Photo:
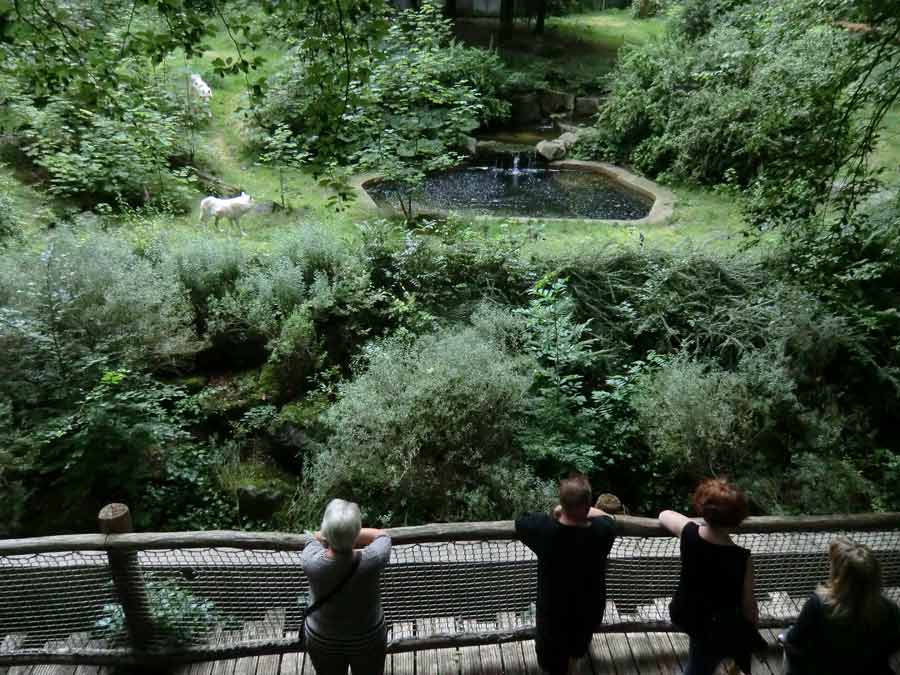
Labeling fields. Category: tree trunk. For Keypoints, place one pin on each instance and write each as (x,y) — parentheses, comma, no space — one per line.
(541,15)
(506,19)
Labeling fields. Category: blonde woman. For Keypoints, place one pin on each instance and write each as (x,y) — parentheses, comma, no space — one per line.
(847,627)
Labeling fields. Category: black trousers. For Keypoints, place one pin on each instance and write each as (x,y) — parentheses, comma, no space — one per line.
(557,642)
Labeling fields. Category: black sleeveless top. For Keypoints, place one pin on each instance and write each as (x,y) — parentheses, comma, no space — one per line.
(708,604)
(711,582)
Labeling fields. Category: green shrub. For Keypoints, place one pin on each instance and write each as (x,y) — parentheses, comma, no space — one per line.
(9,217)
(658,301)
(697,17)
(263,296)
(295,356)
(186,493)
(708,421)
(101,448)
(90,297)
(207,267)
(774,426)
(179,617)
(829,485)
(108,154)
(426,433)
(756,101)
(309,272)
(418,85)
(448,273)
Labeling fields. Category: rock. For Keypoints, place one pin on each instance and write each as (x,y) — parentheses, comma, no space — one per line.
(469,145)
(586,106)
(259,503)
(551,150)
(566,127)
(557,102)
(568,139)
(487,146)
(525,109)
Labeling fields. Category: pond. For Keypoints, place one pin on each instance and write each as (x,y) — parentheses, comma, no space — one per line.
(520,185)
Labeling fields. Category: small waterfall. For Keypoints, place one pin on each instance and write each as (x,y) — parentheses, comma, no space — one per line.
(515,166)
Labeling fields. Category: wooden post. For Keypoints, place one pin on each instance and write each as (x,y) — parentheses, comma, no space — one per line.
(507,12)
(127,579)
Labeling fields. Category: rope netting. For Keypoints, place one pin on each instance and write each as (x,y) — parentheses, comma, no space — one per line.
(207,600)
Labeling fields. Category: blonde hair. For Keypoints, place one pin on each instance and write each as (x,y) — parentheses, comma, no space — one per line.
(853,589)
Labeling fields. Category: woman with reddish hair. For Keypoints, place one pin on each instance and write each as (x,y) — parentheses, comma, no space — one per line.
(847,627)
(714,603)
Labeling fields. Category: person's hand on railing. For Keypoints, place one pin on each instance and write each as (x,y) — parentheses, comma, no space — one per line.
(593,513)
(596,513)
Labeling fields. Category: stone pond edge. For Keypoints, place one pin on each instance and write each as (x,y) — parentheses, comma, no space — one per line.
(663,199)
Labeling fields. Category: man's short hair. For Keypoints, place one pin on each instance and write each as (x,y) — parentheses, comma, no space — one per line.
(720,503)
(341,525)
(575,494)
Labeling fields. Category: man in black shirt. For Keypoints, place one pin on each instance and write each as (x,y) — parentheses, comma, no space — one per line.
(571,545)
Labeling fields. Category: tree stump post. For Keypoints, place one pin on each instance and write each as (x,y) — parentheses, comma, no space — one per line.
(127,579)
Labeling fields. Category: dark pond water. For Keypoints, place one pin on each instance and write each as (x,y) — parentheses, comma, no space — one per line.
(519,185)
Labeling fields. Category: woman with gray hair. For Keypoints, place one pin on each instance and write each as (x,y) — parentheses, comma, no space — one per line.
(345,623)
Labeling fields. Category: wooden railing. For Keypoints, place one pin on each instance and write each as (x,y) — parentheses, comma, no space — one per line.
(447,584)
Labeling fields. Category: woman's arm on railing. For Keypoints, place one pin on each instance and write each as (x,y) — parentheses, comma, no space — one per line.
(367,535)
(673,521)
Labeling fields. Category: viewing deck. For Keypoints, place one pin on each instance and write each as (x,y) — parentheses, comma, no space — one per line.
(610,654)
(458,598)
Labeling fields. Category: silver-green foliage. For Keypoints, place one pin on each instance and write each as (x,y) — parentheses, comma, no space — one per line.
(88,295)
(427,432)
(207,267)
(708,421)
(308,269)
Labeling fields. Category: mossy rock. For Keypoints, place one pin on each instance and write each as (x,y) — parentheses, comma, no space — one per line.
(262,502)
(192,383)
(232,396)
(303,413)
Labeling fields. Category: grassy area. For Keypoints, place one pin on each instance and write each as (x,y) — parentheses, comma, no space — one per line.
(703,219)
(583,44)
(887,154)
(608,30)
(220,147)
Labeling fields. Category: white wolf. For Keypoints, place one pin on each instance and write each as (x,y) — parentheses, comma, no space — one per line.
(202,91)
(232,209)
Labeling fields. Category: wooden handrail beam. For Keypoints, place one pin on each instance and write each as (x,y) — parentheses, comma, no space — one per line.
(631,526)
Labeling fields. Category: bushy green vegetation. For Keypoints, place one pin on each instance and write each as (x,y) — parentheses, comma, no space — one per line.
(402,109)
(437,376)
(453,370)
(764,97)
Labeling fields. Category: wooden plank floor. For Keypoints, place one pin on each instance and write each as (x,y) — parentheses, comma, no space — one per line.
(609,654)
